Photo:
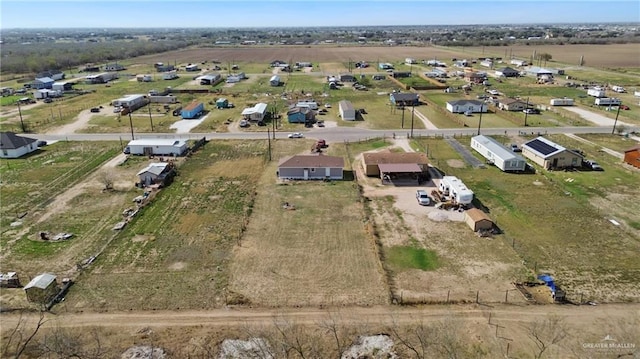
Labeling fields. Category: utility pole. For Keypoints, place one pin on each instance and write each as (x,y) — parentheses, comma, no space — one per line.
(413,110)
(22,122)
(613,131)
(526,113)
(131,124)
(269,143)
(150,117)
(480,120)
(402,115)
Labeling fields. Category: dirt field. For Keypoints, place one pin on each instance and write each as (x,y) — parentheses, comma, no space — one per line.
(610,56)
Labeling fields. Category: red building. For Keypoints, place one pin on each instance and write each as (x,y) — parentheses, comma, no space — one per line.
(632,156)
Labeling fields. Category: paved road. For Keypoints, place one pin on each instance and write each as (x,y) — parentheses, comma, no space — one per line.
(330,134)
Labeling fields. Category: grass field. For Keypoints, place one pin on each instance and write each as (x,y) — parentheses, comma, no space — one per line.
(319,253)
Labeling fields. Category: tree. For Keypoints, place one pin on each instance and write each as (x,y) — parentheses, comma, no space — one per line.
(107,179)
(545,333)
(20,336)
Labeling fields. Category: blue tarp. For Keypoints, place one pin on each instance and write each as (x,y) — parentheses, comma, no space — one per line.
(548,280)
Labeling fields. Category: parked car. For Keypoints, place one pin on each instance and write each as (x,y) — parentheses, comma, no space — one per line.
(126,150)
(48,100)
(296,135)
(41,143)
(593,165)
(95,109)
(423,197)
(244,123)
(531,111)
(515,148)
(624,107)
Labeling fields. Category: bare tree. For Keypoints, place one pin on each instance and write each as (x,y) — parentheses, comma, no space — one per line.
(21,336)
(337,332)
(546,332)
(107,179)
(66,344)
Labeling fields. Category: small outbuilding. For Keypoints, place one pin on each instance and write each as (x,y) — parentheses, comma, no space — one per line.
(222,103)
(42,288)
(274,81)
(632,156)
(192,110)
(311,167)
(477,220)
(347,112)
(497,154)
(160,172)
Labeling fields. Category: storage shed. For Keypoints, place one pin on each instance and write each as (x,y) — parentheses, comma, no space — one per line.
(157,172)
(192,110)
(309,167)
(632,156)
(157,147)
(42,288)
(477,220)
(222,103)
(274,81)
(497,154)
(550,155)
(347,112)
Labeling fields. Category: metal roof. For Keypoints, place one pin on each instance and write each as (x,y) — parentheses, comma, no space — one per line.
(497,148)
(311,161)
(345,105)
(157,142)
(154,168)
(41,281)
(374,158)
(399,168)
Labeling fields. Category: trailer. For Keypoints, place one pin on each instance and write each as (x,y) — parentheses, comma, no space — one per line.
(618,89)
(453,188)
(561,102)
(596,92)
(156,147)
(607,101)
(192,110)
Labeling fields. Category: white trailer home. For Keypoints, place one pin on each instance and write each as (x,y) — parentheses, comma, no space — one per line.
(596,92)
(497,154)
(607,101)
(561,102)
(347,112)
(453,188)
(157,147)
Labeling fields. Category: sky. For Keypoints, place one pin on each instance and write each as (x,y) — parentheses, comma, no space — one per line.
(312,13)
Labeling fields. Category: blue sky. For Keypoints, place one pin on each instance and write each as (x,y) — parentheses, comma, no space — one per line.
(239,13)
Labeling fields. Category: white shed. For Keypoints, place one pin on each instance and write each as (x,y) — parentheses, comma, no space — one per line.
(498,154)
(274,81)
(157,146)
(347,112)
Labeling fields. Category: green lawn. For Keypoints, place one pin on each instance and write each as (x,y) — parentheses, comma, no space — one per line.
(405,257)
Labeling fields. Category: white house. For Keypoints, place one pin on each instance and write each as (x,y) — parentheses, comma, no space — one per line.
(462,106)
(14,146)
(157,146)
(347,112)
(497,154)
(255,113)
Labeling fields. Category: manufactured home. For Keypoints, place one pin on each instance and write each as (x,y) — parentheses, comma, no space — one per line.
(497,154)
(255,113)
(157,147)
(132,102)
(607,101)
(561,102)
(464,106)
(311,167)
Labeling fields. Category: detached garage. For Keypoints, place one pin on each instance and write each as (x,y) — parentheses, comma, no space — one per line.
(477,220)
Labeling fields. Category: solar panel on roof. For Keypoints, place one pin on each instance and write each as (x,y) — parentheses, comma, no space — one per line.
(541,147)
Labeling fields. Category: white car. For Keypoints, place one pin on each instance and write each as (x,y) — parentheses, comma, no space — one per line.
(296,135)
(423,197)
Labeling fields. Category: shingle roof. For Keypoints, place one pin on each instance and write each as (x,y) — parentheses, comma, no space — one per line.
(311,161)
(465,102)
(11,141)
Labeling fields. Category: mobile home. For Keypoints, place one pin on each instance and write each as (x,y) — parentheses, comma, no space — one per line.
(497,154)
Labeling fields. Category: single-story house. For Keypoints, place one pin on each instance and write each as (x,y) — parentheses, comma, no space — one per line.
(507,72)
(275,81)
(114,67)
(461,63)
(255,113)
(157,147)
(54,74)
(372,160)
(165,68)
(550,155)
(519,63)
(278,63)
(405,99)
(539,71)
(497,154)
(475,77)
(170,75)
(101,78)
(160,172)
(309,167)
(42,288)
(233,78)
(347,112)
(192,110)
(192,68)
(46,93)
(14,146)
(300,115)
(512,104)
(346,78)
(632,156)
(385,66)
(477,220)
(462,106)
(42,83)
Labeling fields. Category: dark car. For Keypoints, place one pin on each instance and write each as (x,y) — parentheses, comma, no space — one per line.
(41,143)
(95,109)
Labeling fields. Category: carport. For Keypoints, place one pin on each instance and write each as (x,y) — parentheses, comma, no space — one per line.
(399,174)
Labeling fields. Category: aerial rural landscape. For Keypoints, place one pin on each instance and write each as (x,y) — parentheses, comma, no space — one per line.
(451,191)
